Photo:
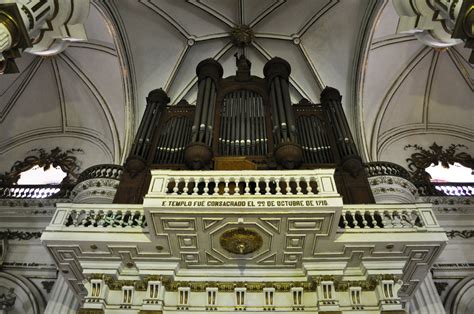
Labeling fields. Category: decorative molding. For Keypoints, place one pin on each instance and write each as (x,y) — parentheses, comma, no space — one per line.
(19,235)
(3,251)
(465,234)
(419,161)
(29,265)
(47,285)
(7,300)
(440,286)
(393,189)
(33,206)
(241,241)
(55,158)
(141,285)
(95,189)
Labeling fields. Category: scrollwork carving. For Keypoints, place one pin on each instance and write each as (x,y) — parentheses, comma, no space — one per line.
(55,158)
(7,300)
(47,285)
(465,234)
(19,235)
(422,159)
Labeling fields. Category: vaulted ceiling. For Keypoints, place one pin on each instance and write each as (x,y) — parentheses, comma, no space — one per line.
(91,96)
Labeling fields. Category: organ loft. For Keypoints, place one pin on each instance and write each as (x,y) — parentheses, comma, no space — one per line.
(245,122)
(231,189)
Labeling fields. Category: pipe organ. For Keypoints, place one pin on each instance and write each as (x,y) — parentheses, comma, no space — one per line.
(242,125)
(247,117)
(174,136)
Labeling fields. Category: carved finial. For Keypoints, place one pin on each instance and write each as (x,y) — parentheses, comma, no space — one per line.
(243,67)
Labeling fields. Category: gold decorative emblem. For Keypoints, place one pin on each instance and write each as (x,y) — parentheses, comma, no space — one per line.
(241,241)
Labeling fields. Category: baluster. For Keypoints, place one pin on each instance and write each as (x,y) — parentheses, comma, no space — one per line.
(175,188)
(355,221)
(298,185)
(267,185)
(121,217)
(185,187)
(344,220)
(101,219)
(206,185)
(308,185)
(277,188)
(128,223)
(364,221)
(288,187)
(226,186)
(247,186)
(115,218)
(237,188)
(257,185)
(374,221)
(193,181)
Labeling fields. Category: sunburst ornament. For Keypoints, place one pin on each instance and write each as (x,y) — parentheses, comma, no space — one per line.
(242,36)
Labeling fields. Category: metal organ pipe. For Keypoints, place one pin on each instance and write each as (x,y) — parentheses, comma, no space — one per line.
(156,101)
(197,113)
(331,100)
(172,141)
(209,73)
(198,153)
(285,88)
(242,124)
(277,72)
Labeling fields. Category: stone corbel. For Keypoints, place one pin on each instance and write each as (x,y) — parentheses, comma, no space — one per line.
(431,21)
(39,27)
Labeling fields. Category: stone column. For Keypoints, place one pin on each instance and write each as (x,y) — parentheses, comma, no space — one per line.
(62,300)
(426,299)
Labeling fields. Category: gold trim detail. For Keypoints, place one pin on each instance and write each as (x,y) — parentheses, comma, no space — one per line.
(241,241)
(200,286)
(90,311)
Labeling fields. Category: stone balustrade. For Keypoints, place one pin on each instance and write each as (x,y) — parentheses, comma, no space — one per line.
(376,217)
(385,168)
(455,189)
(243,183)
(35,191)
(73,216)
(105,171)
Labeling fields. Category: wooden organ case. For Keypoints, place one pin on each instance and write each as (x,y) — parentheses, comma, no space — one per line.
(248,121)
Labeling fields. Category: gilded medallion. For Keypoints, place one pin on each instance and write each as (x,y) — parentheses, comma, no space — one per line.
(241,241)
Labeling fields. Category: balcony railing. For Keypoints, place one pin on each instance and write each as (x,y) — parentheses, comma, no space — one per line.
(36,191)
(382,168)
(102,216)
(107,171)
(445,189)
(385,168)
(387,216)
(61,191)
(242,183)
